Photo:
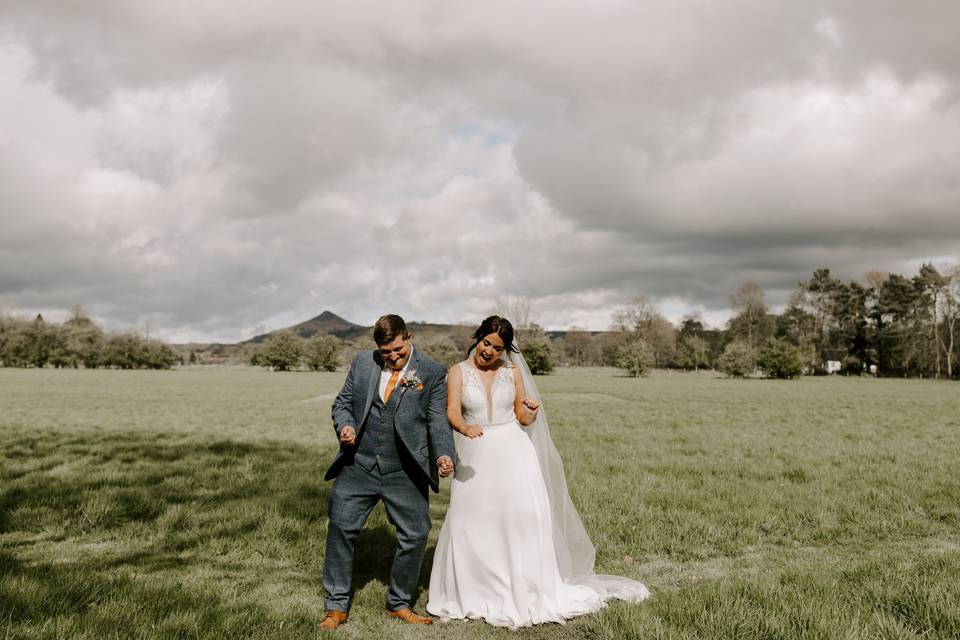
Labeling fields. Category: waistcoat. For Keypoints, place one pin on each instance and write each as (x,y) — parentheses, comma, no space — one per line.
(378,445)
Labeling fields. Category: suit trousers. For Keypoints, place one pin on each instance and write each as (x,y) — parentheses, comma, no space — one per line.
(355,493)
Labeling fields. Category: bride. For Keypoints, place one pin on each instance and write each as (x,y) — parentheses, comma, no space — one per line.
(512,549)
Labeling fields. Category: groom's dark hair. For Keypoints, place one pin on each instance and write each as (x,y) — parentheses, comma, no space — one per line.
(388,327)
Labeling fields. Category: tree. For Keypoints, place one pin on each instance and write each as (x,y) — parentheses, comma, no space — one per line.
(780,359)
(796,326)
(639,314)
(662,336)
(847,339)
(900,313)
(78,341)
(39,339)
(516,309)
(636,357)
(124,351)
(640,320)
(529,336)
(608,347)
(691,325)
(937,288)
(84,340)
(538,356)
(578,347)
(440,349)
(58,351)
(821,290)
(738,359)
(875,280)
(280,352)
(948,315)
(694,352)
(751,323)
(14,341)
(158,355)
(322,352)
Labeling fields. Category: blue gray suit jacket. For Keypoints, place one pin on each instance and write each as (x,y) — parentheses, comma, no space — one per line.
(421,414)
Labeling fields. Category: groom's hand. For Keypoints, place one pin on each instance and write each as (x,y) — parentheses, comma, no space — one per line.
(348,435)
(444,466)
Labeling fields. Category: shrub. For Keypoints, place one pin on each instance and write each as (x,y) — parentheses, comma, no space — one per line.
(737,360)
(780,359)
(159,355)
(280,352)
(636,357)
(440,349)
(124,351)
(14,342)
(322,352)
(538,357)
(851,366)
(130,351)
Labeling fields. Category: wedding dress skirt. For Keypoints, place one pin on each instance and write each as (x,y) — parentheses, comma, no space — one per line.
(495,558)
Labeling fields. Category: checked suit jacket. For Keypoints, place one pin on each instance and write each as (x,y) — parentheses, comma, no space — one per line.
(421,412)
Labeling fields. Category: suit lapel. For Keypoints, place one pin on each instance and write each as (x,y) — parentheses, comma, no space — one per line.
(414,358)
(372,386)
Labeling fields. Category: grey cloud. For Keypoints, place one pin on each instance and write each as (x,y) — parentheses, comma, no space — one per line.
(214,169)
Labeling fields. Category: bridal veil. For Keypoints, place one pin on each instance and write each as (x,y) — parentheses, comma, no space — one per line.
(576,554)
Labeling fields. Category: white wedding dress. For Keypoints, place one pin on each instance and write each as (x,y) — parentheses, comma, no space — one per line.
(496,557)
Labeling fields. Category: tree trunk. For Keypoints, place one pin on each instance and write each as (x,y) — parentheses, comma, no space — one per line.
(950,351)
(936,341)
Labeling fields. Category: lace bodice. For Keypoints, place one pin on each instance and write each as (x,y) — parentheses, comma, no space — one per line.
(479,408)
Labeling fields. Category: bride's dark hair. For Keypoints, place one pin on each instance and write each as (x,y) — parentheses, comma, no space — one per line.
(499,326)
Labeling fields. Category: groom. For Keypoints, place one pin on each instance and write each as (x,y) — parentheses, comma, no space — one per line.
(391,420)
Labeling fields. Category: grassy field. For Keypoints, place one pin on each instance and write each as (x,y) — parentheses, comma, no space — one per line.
(190,504)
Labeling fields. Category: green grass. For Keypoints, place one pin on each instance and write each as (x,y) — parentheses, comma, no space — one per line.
(191,504)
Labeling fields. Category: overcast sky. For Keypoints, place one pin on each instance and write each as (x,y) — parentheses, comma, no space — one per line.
(210,169)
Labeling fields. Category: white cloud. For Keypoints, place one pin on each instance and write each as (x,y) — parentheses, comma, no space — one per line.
(214,170)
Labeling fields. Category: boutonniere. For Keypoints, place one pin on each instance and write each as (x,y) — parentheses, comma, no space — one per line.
(410,379)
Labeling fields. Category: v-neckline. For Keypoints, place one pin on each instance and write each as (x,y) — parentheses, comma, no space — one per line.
(488,391)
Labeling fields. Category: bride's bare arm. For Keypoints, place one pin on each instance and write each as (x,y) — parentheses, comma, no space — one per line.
(525,408)
(454,414)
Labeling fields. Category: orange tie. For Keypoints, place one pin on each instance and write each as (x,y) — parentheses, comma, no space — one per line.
(391,385)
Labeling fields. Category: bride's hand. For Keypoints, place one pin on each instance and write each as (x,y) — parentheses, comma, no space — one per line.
(472,431)
(531,404)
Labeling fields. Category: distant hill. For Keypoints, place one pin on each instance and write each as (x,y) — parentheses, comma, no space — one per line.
(326,322)
(331,323)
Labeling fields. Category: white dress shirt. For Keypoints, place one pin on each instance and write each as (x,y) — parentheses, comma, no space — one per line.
(385,374)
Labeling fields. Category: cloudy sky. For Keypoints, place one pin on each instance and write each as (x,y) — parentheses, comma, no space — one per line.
(210,169)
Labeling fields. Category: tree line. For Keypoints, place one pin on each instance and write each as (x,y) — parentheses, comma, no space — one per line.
(286,351)
(78,342)
(885,325)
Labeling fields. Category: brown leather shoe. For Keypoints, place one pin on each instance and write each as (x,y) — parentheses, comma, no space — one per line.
(408,616)
(332,620)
